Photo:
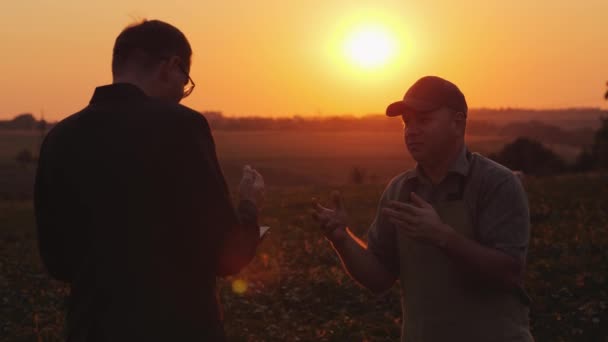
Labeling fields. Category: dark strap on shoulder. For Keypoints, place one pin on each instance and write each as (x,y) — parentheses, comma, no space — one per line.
(464,180)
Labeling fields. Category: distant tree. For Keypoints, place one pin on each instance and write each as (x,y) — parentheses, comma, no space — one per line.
(585,161)
(24,121)
(42,125)
(600,143)
(599,150)
(357,175)
(24,157)
(531,157)
(597,156)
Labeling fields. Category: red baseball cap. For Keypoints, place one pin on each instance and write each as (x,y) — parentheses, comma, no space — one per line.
(428,94)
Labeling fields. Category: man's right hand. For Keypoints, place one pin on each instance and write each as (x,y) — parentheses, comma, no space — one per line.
(360,263)
(333,222)
(252,187)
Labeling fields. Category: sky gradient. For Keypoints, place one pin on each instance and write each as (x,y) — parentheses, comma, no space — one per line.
(284,58)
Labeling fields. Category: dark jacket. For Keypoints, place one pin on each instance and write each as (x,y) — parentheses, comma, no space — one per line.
(133,211)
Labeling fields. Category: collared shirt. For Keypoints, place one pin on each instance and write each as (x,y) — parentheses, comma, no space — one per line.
(133,211)
(448,186)
(494,196)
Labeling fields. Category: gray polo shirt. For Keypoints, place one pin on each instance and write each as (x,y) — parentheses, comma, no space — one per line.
(495,198)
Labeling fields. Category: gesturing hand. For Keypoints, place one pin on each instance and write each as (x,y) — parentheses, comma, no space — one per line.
(418,221)
(333,222)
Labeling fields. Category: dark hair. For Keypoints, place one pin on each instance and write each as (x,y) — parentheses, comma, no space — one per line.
(148,42)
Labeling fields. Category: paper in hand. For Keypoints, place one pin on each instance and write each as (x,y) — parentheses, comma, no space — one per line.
(263,230)
(258,180)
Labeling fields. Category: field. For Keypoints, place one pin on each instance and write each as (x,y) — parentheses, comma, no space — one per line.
(285,158)
(295,287)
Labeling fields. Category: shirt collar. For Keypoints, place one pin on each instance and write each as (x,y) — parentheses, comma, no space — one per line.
(117,92)
(460,166)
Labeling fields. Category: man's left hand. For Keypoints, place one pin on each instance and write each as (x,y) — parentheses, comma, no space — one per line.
(418,221)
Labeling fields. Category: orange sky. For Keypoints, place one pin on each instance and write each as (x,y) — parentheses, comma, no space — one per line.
(271,57)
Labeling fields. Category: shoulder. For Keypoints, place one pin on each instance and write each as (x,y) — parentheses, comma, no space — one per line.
(64,129)
(190,115)
(178,113)
(175,121)
(490,173)
(495,180)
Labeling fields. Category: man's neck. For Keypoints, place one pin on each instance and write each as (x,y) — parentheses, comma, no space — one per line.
(438,169)
(132,79)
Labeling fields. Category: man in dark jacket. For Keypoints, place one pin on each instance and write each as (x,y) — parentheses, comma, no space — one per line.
(132,207)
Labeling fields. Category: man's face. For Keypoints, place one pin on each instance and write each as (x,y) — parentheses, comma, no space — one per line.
(428,135)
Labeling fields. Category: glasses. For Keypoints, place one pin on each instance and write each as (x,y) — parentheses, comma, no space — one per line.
(189,87)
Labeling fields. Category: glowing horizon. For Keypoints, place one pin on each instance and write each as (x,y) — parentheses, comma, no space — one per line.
(316,58)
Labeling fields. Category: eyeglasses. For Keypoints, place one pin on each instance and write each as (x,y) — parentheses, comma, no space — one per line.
(189,87)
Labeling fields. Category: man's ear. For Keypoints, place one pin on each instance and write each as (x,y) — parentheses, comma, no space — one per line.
(166,66)
(460,120)
(163,69)
(460,116)
(174,61)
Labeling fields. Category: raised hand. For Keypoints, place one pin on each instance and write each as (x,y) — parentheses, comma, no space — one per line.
(252,186)
(333,222)
(418,221)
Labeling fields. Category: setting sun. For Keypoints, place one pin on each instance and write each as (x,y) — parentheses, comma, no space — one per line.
(135,206)
(370,46)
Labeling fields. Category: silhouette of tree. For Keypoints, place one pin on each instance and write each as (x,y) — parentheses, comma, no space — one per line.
(599,150)
(24,121)
(531,157)
(597,156)
(42,127)
(584,161)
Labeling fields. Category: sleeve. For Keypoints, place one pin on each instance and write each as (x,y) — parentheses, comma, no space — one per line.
(504,218)
(236,229)
(381,236)
(53,235)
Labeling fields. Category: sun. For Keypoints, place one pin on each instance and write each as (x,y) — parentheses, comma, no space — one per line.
(370,46)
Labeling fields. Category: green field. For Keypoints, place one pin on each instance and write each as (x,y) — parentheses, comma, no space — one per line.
(297,290)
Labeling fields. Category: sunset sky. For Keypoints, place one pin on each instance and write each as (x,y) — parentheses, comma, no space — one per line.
(284,58)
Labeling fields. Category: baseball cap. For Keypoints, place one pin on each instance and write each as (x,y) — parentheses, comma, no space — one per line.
(428,94)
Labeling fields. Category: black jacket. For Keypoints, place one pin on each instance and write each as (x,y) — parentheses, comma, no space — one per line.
(133,211)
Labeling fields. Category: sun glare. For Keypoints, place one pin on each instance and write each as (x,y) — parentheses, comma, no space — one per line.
(239,286)
(370,46)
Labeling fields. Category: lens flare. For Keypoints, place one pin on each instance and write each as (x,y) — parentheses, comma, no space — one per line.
(239,286)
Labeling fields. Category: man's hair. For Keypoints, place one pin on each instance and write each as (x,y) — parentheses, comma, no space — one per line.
(148,42)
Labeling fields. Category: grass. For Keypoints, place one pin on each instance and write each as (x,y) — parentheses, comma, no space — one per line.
(296,289)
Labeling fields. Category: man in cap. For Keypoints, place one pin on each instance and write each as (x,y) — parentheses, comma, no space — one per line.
(454,230)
